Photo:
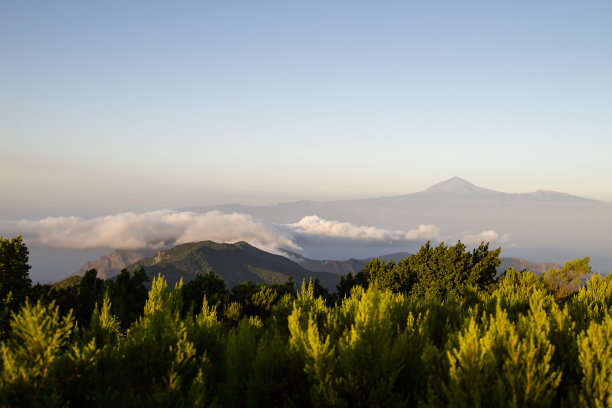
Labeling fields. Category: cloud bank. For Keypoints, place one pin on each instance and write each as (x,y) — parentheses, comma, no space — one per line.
(154,229)
(165,228)
(315,225)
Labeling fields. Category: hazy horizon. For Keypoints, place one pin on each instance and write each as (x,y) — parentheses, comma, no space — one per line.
(540,226)
(88,212)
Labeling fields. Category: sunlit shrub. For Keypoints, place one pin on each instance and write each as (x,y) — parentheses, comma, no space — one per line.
(498,360)
(595,345)
(30,356)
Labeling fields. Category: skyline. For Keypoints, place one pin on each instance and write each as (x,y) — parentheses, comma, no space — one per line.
(12,223)
(131,107)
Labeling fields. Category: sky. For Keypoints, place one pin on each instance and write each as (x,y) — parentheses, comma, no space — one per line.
(117,106)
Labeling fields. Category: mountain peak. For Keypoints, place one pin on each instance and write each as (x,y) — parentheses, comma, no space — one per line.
(457,187)
(454,185)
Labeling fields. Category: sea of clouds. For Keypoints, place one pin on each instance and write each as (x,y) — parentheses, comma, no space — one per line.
(165,228)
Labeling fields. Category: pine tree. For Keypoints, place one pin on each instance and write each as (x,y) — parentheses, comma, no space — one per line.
(15,282)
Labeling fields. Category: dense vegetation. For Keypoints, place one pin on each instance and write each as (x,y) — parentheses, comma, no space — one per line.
(435,329)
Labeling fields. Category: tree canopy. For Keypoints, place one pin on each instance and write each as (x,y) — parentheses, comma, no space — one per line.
(432,271)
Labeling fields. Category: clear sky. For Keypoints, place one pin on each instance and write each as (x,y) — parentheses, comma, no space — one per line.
(110,106)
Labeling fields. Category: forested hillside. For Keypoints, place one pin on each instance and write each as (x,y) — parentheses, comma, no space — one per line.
(436,329)
(235,263)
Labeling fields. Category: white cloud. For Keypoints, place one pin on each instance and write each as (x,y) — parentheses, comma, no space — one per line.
(154,229)
(234,227)
(315,225)
(489,236)
(425,231)
(165,228)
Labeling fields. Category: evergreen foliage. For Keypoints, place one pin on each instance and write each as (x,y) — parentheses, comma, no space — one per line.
(15,281)
(566,281)
(410,334)
(595,345)
(31,355)
(432,271)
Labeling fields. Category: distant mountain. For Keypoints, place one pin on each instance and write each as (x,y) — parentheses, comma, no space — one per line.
(456,206)
(235,263)
(340,267)
(519,264)
(458,187)
(111,264)
(241,262)
(449,195)
(336,267)
(543,224)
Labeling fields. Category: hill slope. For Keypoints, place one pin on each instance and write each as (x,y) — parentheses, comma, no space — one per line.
(235,263)
(240,262)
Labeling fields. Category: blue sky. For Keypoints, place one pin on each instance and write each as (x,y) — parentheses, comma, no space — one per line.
(116,106)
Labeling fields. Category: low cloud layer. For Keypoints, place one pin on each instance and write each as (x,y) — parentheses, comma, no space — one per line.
(165,228)
(155,229)
(315,225)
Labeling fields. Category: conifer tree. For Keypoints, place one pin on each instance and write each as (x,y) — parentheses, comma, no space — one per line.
(15,283)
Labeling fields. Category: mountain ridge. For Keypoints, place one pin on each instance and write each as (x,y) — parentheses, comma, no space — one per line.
(454,184)
(235,263)
(258,270)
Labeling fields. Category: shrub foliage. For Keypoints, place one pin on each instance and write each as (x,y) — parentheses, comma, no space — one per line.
(434,330)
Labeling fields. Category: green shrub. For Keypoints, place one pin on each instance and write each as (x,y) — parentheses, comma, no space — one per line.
(498,360)
(30,356)
(595,357)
